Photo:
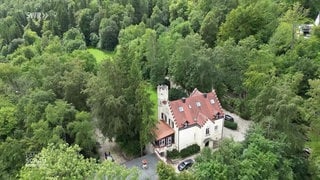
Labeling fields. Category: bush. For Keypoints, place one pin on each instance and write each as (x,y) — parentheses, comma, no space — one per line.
(188,151)
(173,154)
(230,125)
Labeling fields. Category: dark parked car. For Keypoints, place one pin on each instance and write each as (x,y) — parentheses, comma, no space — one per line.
(228,118)
(185,164)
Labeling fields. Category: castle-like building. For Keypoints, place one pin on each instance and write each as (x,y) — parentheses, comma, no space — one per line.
(197,119)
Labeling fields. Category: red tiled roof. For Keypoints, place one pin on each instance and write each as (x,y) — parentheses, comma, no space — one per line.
(163,130)
(196,109)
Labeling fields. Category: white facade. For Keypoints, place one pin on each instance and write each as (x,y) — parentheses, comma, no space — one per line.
(211,131)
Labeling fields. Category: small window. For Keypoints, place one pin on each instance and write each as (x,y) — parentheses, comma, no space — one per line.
(162,116)
(172,125)
(169,140)
(216,127)
(181,109)
(211,101)
(198,104)
(207,131)
(162,142)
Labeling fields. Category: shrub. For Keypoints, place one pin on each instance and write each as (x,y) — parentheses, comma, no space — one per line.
(230,125)
(173,154)
(190,150)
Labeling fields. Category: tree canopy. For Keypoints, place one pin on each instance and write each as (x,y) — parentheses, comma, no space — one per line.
(52,90)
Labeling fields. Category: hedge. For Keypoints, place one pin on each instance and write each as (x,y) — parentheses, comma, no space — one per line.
(174,154)
(231,125)
(188,151)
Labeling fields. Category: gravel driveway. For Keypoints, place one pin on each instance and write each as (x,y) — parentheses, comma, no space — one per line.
(239,134)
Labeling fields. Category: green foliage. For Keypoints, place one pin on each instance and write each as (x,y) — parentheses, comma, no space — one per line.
(84,17)
(112,170)
(213,18)
(178,8)
(176,93)
(8,120)
(154,100)
(73,39)
(258,19)
(147,118)
(54,162)
(65,162)
(248,51)
(174,154)
(314,143)
(122,112)
(277,100)
(30,37)
(12,158)
(73,84)
(233,59)
(190,150)
(231,125)
(108,32)
(232,159)
(191,60)
(165,171)
(100,55)
(82,131)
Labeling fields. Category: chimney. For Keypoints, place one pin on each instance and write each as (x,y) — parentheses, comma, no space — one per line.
(205,95)
(183,99)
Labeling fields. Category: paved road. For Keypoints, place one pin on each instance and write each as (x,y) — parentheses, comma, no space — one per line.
(239,134)
(151,172)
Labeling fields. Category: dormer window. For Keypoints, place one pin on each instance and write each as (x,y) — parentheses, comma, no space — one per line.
(211,101)
(185,124)
(180,108)
(198,104)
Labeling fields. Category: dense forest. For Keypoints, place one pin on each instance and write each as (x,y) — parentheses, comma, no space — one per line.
(54,93)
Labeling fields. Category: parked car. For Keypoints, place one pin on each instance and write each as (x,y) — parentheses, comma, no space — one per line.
(185,164)
(228,118)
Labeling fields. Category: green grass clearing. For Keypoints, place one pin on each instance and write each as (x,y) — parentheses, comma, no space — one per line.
(100,55)
(154,100)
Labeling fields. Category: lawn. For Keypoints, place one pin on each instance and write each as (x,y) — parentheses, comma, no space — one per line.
(154,100)
(100,55)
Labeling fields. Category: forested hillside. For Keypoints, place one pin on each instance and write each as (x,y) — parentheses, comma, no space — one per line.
(53,91)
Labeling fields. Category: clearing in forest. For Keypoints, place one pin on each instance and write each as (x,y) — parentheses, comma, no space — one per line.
(153,99)
(100,55)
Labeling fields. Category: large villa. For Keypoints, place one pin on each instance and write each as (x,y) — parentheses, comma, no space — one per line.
(197,119)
